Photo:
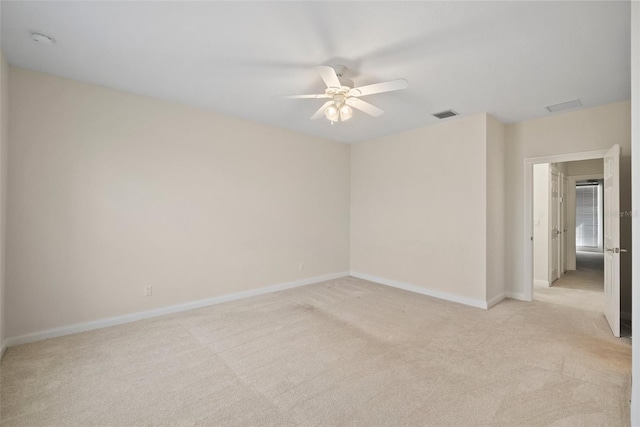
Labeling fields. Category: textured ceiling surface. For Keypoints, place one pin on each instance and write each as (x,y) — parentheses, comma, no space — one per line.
(509,59)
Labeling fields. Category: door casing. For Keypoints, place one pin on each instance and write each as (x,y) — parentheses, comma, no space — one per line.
(528,206)
(612,239)
(554,225)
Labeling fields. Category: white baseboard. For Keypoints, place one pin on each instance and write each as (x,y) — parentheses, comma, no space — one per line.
(538,282)
(420,290)
(493,301)
(3,348)
(516,295)
(127,318)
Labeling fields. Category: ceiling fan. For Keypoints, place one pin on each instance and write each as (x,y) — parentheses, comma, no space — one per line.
(343,95)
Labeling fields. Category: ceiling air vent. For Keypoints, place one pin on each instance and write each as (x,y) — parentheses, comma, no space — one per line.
(564,106)
(445,114)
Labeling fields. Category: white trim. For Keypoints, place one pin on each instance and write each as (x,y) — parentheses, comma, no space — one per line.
(420,290)
(571,225)
(516,295)
(635,207)
(495,300)
(538,282)
(528,231)
(528,207)
(127,318)
(564,181)
(568,157)
(550,215)
(3,348)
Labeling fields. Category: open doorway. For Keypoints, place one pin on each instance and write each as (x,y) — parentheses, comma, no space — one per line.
(560,258)
(568,258)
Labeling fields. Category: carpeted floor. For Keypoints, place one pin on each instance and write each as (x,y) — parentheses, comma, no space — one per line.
(344,352)
(582,288)
(590,261)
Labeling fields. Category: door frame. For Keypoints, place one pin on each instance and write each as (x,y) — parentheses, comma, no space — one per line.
(528,206)
(551,214)
(564,223)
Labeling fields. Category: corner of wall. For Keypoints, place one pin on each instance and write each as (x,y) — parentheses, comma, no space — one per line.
(285,197)
(495,219)
(395,227)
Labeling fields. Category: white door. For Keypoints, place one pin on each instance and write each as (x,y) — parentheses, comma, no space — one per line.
(612,238)
(555,227)
(563,224)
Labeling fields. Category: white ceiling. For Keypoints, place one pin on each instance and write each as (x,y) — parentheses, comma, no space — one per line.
(509,59)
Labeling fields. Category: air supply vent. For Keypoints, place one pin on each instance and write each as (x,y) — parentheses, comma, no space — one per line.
(445,114)
(564,106)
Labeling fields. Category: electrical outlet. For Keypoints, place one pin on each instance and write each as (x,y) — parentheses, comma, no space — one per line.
(301,266)
(148,291)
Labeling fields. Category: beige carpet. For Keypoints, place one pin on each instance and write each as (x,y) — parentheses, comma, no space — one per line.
(590,261)
(582,288)
(344,352)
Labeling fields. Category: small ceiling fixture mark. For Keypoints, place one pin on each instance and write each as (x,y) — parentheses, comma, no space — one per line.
(39,37)
(574,103)
(445,114)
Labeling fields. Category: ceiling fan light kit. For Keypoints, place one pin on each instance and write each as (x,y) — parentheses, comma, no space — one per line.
(344,96)
(338,110)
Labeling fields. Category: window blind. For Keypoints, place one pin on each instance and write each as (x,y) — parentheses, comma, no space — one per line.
(587,221)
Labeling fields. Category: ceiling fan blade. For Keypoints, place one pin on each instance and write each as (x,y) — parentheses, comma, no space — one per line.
(379,87)
(320,112)
(328,75)
(315,96)
(364,106)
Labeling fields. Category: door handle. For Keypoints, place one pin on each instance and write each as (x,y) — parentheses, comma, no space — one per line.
(616,250)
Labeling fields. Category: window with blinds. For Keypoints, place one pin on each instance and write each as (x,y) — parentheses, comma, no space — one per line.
(588,216)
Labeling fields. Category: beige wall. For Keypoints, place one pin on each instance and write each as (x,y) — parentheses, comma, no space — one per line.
(4,142)
(585,167)
(418,207)
(111,192)
(541,223)
(595,128)
(495,193)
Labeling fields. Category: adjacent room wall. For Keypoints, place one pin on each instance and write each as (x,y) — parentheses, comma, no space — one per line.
(419,208)
(111,192)
(541,224)
(4,142)
(590,129)
(585,167)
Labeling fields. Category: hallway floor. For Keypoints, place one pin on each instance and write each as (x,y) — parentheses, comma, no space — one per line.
(582,288)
